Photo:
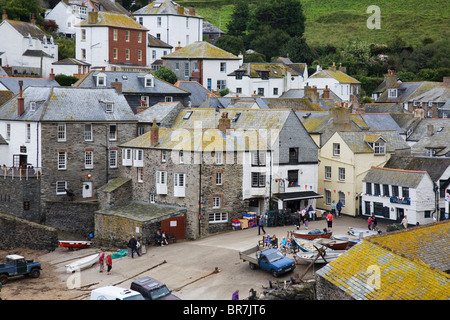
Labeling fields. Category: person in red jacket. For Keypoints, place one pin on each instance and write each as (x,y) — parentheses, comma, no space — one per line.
(109,263)
(329,220)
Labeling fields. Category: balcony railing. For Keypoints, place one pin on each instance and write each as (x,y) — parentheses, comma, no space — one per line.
(401,200)
(20,173)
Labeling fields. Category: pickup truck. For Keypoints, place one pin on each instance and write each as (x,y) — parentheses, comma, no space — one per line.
(272,260)
(152,289)
(17,265)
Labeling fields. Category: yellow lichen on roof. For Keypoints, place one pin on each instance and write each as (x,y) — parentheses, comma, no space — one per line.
(338,75)
(114,19)
(201,49)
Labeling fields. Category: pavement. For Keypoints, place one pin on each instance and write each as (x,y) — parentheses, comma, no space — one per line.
(204,269)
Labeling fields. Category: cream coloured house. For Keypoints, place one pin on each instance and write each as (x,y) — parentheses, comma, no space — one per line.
(346,158)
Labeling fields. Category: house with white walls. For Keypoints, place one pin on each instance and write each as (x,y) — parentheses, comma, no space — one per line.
(204,63)
(111,41)
(156,49)
(170,22)
(26,48)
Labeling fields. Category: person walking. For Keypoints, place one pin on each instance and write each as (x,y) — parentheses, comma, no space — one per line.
(339,207)
(329,220)
(405,222)
(369,223)
(374,222)
(333,208)
(235,295)
(306,219)
(132,244)
(261,225)
(108,264)
(101,262)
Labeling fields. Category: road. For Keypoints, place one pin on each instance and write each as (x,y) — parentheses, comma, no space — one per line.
(187,267)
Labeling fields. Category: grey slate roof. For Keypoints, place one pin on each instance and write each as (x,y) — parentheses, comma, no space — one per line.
(356,141)
(434,166)
(161,112)
(199,94)
(69,104)
(71,61)
(12,83)
(397,177)
(132,82)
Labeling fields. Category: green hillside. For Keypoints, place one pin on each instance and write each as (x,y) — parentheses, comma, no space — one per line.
(336,21)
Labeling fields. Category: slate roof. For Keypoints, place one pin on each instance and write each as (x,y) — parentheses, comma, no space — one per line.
(69,104)
(201,50)
(157,43)
(413,265)
(113,19)
(71,61)
(26,29)
(356,141)
(12,83)
(397,177)
(165,7)
(208,27)
(36,53)
(407,91)
(434,166)
(132,82)
(199,94)
(108,5)
(159,112)
(338,75)
(253,69)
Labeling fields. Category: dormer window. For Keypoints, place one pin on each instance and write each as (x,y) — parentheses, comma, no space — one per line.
(101,80)
(109,107)
(379,147)
(264,75)
(392,93)
(33,106)
(149,82)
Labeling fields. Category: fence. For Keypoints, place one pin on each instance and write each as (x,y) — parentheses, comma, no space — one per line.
(20,173)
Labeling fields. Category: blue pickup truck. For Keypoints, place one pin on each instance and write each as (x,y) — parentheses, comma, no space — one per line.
(17,265)
(272,260)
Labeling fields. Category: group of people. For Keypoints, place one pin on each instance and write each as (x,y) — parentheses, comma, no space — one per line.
(372,222)
(304,216)
(105,258)
(161,238)
(337,207)
(271,241)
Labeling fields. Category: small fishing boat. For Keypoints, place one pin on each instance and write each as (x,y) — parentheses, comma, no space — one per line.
(72,244)
(82,263)
(306,245)
(361,233)
(308,257)
(311,234)
(334,244)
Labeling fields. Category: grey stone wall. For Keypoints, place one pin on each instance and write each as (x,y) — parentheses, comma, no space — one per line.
(325,290)
(19,233)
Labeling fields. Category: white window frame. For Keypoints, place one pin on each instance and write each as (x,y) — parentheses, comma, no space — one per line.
(140,175)
(113,159)
(127,157)
(336,149)
(138,158)
(161,182)
(219,157)
(328,196)
(59,186)
(181,156)
(8,131)
(88,133)
(392,93)
(379,147)
(62,160)
(216,202)
(28,132)
(89,159)
(163,155)
(327,172)
(179,184)
(114,136)
(61,132)
(341,174)
(218,217)
(219,178)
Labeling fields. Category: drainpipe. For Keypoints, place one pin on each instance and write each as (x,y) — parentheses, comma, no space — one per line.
(436,199)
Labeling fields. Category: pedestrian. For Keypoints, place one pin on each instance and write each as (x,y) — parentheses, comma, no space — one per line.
(108,263)
(297,220)
(164,241)
(132,244)
(302,216)
(405,222)
(369,223)
(101,261)
(235,295)
(329,220)
(339,207)
(261,225)
(333,208)
(374,222)
(306,219)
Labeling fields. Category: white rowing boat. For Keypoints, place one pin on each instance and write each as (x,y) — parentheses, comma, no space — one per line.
(82,263)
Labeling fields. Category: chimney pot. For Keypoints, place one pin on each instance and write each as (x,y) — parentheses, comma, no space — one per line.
(154,134)
(4,16)
(20,100)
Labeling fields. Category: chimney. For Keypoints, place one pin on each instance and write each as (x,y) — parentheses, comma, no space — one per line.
(333,67)
(154,134)
(180,10)
(224,122)
(446,81)
(52,75)
(4,16)
(118,86)
(340,114)
(192,10)
(390,78)
(234,99)
(326,93)
(341,68)
(319,67)
(430,130)
(92,17)
(33,19)
(419,113)
(20,100)
(179,46)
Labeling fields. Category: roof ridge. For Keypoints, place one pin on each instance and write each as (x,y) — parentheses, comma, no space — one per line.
(402,170)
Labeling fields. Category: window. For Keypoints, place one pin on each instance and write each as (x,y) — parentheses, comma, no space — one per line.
(218,217)
(140,175)
(168,99)
(377,190)
(328,196)
(177,66)
(261,92)
(328,173)
(258,180)
(127,35)
(88,160)
(139,55)
(186,69)
(187,23)
(275,91)
(148,82)
(113,158)
(88,132)
(219,157)
(152,198)
(127,159)
(28,132)
(258,158)
(218,178)
(163,155)
(83,34)
(386,190)
(138,158)
(158,21)
(32,106)
(8,131)
(115,54)
(158,36)
(139,37)
(293,155)
(392,93)
(221,84)
(161,182)
(223,67)
(342,197)
(179,185)
(336,149)
(380,147)
(82,10)
(112,132)
(61,132)
(216,202)
(115,35)
(61,187)
(405,192)
(238,90)
(395,191)
(181,156)
(109,107)
(341,174)
(369,188)
(127,54)
(293,178)
(62,160)
(153,54)
(239,75)
(141,20)
(83,54)
(101,81)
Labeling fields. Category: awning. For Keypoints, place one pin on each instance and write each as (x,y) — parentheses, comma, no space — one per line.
(301,195)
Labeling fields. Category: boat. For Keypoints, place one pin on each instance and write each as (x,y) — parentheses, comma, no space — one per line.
(335,244)
(306,245)
(71,244)
(308,257)
(351,240)
(82,263)
(361,233)
(311,234)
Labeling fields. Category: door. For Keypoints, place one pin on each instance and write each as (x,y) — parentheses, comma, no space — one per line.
(87,189)
(400,214)
(175,226)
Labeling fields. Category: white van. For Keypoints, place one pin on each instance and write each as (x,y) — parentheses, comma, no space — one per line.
(115,293)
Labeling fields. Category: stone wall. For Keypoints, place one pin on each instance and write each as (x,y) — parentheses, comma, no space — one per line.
(19,233)
(325,290)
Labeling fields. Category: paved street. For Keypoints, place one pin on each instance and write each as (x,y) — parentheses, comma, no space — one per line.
(187,267)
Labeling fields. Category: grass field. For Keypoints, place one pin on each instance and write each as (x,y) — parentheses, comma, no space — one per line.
(336,21)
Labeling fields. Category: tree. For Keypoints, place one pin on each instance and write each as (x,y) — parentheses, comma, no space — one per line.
(232,44)
(269,41)
(22,10)
(356,56)
(298,50)
(66,48)
(166,74)
(65,80)
(237,26)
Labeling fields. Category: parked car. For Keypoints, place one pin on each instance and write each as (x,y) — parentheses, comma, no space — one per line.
(17,265)
(115,293)
(272,260)
(152,289)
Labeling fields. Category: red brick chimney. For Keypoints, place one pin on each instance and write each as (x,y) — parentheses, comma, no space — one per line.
(33,19)
(224,122)
(20,100)
(154,134)
(117,85)
(326,93)
(4,16)
(52,75)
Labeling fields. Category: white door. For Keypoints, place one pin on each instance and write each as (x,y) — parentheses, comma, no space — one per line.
(87,189)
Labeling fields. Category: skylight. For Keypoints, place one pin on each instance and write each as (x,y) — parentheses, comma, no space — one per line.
(187,115)
(157,5)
